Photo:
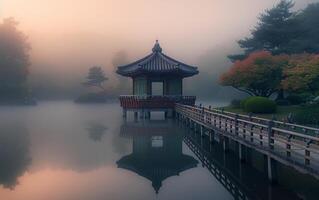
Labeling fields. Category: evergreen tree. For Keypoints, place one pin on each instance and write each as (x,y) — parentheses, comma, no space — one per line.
(306,31)
(96,78)
(272,33)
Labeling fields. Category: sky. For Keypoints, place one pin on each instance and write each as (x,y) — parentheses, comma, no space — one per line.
(69,36)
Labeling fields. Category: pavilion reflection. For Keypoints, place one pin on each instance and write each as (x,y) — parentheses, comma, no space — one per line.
(157,151)
(14,154)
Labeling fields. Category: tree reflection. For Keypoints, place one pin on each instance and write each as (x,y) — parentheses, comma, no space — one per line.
(14,154)
(96,131)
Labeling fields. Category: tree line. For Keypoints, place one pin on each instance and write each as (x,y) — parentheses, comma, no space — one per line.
(282,53)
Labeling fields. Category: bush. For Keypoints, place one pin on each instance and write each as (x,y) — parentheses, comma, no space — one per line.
(309,115)
(260,105)
(295,99)
(243,102)
(235,103)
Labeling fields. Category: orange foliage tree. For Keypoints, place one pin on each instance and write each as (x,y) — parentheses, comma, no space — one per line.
(302,74)
(260,74)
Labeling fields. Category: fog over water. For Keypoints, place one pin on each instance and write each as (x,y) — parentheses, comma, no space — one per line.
(67,37)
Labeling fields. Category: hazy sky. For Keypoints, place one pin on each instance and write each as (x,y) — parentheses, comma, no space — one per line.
(76,34)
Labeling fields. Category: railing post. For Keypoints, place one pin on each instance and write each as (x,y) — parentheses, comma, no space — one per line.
(307,153)
(270,134)
(236,124)
(203,114)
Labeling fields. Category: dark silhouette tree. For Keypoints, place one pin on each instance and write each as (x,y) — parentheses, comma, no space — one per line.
(272,33)
(306,38)
(280,30)
(14,61)
(96,78)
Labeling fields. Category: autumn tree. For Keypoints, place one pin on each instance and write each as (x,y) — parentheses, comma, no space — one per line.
(14,60)
(96,78)
(302,75)
(259,74)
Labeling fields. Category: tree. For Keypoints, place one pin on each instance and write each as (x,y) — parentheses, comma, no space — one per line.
(14,60)
(272,33)
(259,74)
(96,78)
(302,75)
(282,31)
(306,37)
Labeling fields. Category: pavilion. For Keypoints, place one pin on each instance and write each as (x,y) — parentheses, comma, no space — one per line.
(156,69)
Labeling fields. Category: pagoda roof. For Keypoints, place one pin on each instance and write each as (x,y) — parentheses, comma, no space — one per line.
(157,168)
(157,63)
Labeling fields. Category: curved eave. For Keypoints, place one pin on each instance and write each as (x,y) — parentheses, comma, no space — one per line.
(137,68)
(140,71)
(140,167)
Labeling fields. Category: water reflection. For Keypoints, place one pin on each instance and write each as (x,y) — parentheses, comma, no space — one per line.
(242,180)
(96,131)
(14,154)
(157,151)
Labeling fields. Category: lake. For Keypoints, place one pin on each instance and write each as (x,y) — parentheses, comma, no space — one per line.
(64,151)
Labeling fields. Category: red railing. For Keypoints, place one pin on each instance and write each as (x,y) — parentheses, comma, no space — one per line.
(154,102)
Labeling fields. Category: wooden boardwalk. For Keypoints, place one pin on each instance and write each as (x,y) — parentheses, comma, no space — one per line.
(290,144)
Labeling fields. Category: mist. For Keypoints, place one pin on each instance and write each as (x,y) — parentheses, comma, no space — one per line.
(68,38)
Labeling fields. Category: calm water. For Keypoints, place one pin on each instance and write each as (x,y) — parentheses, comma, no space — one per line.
(64,151)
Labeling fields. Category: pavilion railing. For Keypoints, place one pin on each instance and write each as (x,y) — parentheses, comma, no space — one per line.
(154,101)
(294,143)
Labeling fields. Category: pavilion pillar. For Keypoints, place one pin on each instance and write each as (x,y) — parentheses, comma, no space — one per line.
(124,113)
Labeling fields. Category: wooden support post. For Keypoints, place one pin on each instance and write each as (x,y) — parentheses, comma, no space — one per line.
(271,169)
(147,114)
(201,130)
(135,115)
(195,127)
(211,136)
(225,144)
(240,152)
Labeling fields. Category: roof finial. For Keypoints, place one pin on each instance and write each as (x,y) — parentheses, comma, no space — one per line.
(157,47)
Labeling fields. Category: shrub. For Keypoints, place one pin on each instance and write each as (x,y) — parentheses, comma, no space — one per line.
(235,103)
(309,115)
(295,99)
(243,102)
(260,105)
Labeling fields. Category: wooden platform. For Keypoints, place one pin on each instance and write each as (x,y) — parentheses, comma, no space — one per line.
(144,104)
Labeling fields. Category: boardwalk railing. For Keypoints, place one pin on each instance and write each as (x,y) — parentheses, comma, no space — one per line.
(291,144)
